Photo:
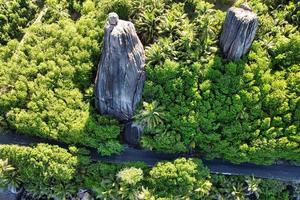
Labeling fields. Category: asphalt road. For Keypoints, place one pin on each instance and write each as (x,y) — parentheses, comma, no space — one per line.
(283,172)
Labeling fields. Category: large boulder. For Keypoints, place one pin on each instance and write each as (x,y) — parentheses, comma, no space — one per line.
(121,76)
(238,33)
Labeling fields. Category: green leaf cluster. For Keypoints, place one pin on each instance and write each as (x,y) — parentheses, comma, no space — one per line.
(15,15)
(179,179)
(43,170)
(49,171)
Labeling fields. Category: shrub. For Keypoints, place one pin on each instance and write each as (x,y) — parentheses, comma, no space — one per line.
(183,178)
(286,54)
(14,16)
(147,19)
(123,8)
(44,169)
(8,175)
(130,176)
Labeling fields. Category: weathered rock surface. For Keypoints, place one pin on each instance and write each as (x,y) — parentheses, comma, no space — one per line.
(238,33)
(5,194)
(83,195)
(133,133)
(121,76)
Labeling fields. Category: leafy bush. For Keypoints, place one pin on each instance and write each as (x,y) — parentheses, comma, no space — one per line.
(150,117)
(243,111)
(130,176)
(293,12)
(289,9)
(183,178)
(43,170)
(100,177)
(123,8)
(129,179)
(14,16)
(239,187)
(147,19)
(47,83)
(8,175)
(286,53)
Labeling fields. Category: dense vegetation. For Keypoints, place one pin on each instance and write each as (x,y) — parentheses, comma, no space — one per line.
(194,100)
(46,80)
(43,170)
(247,110)
(55,172)
(14,16)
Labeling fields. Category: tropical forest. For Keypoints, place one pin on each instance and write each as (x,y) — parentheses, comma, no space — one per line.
(149,100)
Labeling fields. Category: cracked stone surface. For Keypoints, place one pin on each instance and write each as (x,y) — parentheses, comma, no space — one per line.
(121,76)
(238,33)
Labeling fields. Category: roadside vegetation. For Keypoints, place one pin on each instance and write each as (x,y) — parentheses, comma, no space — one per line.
(243,111)
(51,172)
(193,100)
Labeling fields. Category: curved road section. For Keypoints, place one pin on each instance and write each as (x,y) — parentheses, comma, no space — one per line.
(283,172)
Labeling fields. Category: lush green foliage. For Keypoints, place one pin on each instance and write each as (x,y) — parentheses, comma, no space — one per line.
(8,175)
(290,9)
(130,176)
(43,170)
(138,182)
(244,111)
(150,116)
(46,81)
(181,179)
(52,171)
(14,16)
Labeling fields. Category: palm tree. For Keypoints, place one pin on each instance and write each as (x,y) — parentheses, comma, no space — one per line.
(8,176)
(158,52)
(5,168)
(238,192)
(151,116)
(253,186)
(148,19)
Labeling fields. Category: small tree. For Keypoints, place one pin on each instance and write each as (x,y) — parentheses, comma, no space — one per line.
(129,179)
(8,176)
(184,178)
(151,116)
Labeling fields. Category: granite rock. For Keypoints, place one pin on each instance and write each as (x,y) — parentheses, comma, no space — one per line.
(133,133)
(238,32)
(6,194)
(121,76)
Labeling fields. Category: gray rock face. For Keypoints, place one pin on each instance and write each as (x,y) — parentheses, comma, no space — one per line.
(121,76)
(5,194)
(83,195)
(133,133)
(238,32)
